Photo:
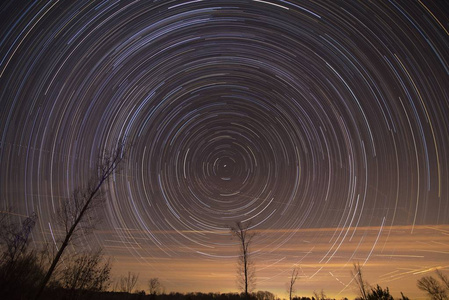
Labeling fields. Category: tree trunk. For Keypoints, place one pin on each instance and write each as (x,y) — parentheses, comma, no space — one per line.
(106,168)
(67,239)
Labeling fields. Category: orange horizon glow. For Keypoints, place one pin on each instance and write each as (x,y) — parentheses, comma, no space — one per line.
(392,256)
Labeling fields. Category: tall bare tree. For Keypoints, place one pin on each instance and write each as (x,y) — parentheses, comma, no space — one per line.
(84,199)
(246,276)
(291,284)
(361,284)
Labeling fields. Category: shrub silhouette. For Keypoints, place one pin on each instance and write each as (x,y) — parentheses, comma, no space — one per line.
(378,293)
(21,269)
(86,272)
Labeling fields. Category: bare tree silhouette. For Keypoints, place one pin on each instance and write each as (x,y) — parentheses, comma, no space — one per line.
(433,287)
(319,296)
(246,271)
(443,278)
(292,282)
(127,283)
(155,286)
(15,238)
(362,285)
(82,202)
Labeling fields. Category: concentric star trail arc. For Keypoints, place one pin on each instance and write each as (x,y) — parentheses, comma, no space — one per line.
(323,124)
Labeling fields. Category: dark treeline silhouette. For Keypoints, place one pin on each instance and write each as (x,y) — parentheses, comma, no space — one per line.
(22,270)
(86,275)
(59,293)
(260,295)
(26,273)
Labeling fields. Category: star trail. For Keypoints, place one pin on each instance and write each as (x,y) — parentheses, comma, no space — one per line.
(323,124)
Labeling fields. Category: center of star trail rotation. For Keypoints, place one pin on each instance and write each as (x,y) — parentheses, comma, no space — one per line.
(288,115)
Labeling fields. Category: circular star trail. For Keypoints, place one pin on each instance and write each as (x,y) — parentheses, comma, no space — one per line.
(285,115)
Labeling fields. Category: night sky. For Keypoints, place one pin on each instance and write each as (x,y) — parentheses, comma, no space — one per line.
(323,124)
